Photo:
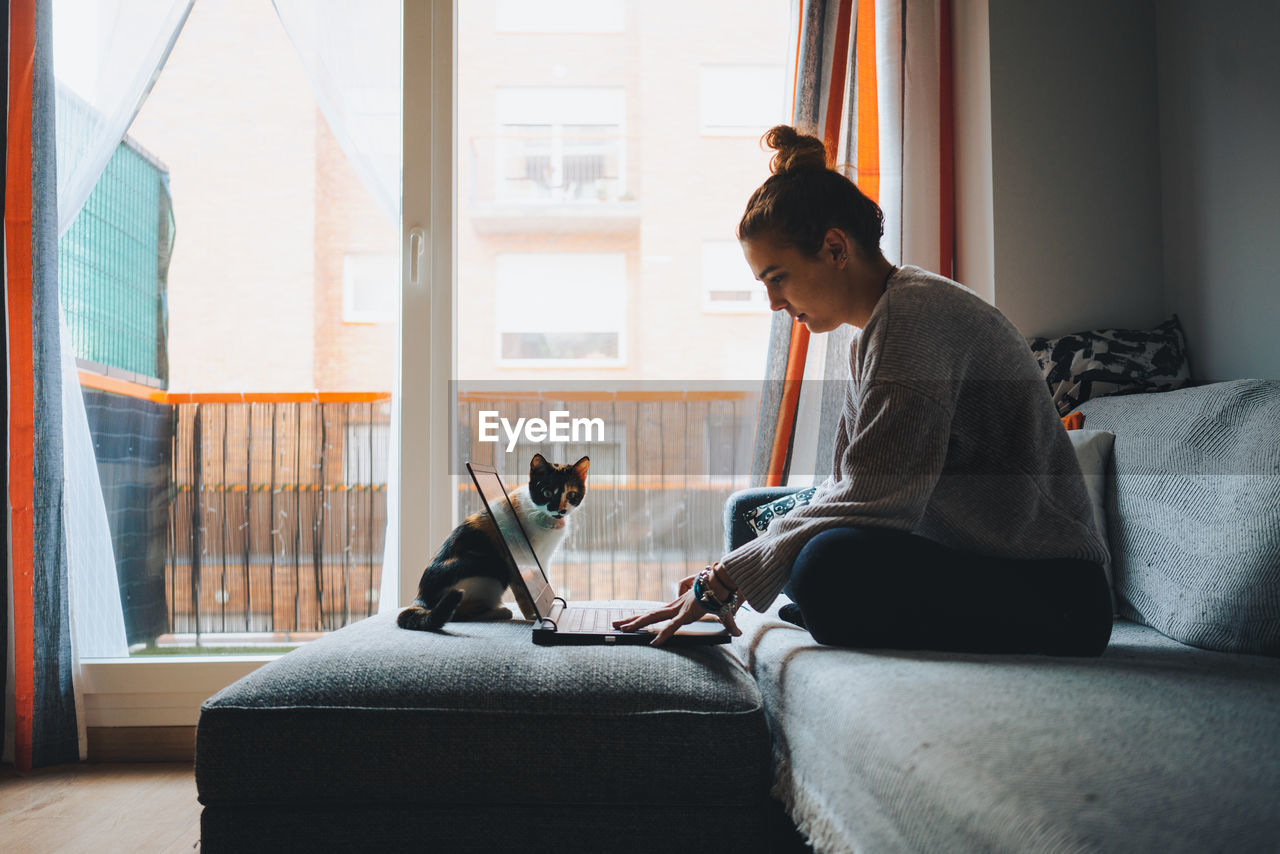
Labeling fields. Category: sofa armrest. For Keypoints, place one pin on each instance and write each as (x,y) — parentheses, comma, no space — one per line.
(736,531)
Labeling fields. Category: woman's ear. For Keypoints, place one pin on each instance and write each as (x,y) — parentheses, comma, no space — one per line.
(836,247)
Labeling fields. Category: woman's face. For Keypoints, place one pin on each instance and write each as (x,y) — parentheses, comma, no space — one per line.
(810,288)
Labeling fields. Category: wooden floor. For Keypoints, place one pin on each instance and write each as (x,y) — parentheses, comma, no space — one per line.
(68,809)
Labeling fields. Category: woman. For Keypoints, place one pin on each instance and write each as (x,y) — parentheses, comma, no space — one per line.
(957,517)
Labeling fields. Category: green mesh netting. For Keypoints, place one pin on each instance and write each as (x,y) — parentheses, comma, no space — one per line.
(112,265)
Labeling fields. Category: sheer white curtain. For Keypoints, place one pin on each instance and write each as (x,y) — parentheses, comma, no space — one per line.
(107,54)
(350,53)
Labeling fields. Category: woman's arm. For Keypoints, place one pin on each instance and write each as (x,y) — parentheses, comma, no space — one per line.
(895,453)
(890,466)
(687,608)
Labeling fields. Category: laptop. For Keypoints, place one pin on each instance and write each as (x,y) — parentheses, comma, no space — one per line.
(555,620)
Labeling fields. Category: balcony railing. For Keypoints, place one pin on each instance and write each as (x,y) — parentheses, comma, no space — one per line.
(278,518)
(659,477)
(574,181)
(549,168)
(266,515)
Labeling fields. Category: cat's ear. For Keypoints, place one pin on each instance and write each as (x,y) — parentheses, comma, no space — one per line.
(581,467)
(538,464)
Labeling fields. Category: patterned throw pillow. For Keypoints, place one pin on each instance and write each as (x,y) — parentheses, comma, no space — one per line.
(761,517)
(1112,361)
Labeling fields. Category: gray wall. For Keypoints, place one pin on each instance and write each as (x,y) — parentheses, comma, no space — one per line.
(1075,164)
(975,236)
(1134,169)
(1219,85)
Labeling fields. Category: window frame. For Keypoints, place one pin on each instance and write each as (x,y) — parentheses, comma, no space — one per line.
(352,271)
(757,301)
(563,104)
(503,361)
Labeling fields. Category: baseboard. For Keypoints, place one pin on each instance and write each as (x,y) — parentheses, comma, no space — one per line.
(142,743)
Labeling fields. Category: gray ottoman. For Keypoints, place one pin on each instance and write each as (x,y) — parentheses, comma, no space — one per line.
(475,739)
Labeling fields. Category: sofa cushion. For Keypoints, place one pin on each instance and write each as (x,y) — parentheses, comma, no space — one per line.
(1193,514)
(1093,452)
(1154,746)
(479,715)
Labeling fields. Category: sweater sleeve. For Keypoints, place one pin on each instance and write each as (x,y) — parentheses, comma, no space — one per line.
(896,450)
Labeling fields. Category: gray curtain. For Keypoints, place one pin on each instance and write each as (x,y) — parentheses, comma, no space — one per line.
(55,738)
(51,737)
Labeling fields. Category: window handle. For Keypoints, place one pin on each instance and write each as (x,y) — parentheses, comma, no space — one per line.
(417,248)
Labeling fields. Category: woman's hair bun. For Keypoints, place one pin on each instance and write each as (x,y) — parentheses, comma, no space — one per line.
(794,150)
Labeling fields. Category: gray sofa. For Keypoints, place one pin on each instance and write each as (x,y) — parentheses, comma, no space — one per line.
(1155,746)
(476,740)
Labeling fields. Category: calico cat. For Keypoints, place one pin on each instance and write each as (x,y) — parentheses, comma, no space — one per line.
(467,577)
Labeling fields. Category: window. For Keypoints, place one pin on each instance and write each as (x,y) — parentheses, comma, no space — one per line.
(560,16)
(727,283)
(737,100)
(561,309)
(591,170)
(370,288)
(592,176)
(283,245)
(560,145)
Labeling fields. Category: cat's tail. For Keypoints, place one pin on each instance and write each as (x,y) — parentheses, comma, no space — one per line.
(423,619)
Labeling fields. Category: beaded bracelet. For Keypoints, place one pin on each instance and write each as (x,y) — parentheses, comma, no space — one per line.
(708,599)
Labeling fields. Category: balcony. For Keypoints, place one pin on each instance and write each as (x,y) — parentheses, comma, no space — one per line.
(550,181)
(261,519)
(659,477)
(278,513)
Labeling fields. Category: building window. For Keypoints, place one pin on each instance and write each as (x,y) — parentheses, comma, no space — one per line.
(741,100)
(561,145)
(562,309)
(560,16)
(370,288)
(727,284)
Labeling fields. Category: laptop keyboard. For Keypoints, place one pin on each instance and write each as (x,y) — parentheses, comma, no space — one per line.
(593,620)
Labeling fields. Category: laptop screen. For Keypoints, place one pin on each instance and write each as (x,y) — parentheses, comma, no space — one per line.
(496,499)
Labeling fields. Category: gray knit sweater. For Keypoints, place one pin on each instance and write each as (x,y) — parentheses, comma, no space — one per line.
(948,431)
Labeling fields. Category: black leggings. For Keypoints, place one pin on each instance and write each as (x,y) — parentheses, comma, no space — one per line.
(882,589)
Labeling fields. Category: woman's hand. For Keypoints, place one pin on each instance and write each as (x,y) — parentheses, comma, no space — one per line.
(681,611)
